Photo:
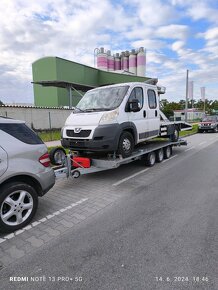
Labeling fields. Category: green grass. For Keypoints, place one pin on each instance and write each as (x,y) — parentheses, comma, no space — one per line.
(189,132)
(50,136)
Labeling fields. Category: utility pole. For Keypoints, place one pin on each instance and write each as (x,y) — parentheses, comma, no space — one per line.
(186,96)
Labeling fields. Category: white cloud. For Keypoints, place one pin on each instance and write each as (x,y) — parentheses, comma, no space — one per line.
(154,13)
(172,31)
(70,29)
(178,45)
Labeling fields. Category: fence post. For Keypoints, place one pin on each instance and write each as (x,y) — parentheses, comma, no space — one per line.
(49,117)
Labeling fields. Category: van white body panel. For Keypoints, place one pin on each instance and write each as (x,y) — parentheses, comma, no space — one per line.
(143,124)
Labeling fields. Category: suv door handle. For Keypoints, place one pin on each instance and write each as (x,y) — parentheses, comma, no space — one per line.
(144,114)
(155,113)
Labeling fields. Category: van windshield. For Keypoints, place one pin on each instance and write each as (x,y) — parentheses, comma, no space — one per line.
(102,99)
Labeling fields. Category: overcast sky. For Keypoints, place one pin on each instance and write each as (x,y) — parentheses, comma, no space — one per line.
(178,35)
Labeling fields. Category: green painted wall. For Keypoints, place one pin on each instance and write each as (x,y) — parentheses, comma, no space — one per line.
(45,69)
(54,68)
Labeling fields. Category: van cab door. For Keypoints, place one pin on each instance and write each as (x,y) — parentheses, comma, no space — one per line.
(3,161)
(153,113)
(139,119)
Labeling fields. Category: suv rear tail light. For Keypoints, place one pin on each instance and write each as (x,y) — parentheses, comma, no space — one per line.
(45,160)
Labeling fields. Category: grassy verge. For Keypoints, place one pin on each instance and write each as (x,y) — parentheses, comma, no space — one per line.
(49,135)
(189,132)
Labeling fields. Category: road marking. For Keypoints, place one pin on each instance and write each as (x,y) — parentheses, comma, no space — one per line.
(190,148)
(202,143)
(173,156)
(169,158)
(35,223)
(129,177)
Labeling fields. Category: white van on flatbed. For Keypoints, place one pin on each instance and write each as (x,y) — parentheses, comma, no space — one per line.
(115,118)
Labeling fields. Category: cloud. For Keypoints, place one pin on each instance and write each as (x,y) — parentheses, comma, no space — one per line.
(70,29)
(173,31)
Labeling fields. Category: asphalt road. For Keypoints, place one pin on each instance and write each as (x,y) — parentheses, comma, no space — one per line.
(161,233)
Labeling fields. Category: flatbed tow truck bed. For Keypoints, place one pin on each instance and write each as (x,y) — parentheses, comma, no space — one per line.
(146,150)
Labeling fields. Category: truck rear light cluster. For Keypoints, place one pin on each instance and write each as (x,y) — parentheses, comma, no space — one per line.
(45,160)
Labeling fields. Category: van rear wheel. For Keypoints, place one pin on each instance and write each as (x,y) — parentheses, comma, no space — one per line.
(126,144)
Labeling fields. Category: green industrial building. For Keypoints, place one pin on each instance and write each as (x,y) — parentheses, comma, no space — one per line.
(59,82)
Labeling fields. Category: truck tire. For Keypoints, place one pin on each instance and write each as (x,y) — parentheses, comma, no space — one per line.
(126,144)
(18,205)
(159,155)
(57,155)
(167,152)
(175,136)
(150,159)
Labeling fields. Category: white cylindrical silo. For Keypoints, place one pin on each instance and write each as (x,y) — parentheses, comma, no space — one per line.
(141,62)
(110,61)
(126,61)
(102,59)
(117,64)
(133,62)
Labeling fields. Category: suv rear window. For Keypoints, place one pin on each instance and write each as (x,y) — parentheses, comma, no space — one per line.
(21,132)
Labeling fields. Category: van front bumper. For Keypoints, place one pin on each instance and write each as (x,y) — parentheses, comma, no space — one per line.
(105,138)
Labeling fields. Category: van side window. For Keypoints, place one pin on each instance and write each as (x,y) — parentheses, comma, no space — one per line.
(137,93)
(152,100)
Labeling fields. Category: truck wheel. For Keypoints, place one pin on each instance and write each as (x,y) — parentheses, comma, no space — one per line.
(150,159)
(126,144)
(200,131)
(57,155)
(167,152)
(159,155)
(175,136)
(18,205)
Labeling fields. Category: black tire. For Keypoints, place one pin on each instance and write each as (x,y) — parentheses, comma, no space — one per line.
(14,208)
(126,144)
(200,131)
(57,155)
(167,152)
(150,159)
(175,136)
(159,155)
(215,130)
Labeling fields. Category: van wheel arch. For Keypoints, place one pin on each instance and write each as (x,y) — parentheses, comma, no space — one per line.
(126,144)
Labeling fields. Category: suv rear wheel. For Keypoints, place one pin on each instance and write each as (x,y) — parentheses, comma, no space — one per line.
(18,205)
(126,144)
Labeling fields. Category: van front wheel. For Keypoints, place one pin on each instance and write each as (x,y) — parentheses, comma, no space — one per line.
(126,144)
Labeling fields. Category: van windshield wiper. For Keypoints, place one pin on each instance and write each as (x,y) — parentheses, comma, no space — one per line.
(97,109)
(79,109)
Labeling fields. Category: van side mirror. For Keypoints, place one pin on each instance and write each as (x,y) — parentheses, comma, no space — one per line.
(134,105)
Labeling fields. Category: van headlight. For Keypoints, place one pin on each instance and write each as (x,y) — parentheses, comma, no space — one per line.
(109,117)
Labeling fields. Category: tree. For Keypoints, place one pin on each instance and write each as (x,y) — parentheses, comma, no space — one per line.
(168,107)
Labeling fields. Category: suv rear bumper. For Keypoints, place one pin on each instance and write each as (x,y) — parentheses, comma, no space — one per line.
(47,181)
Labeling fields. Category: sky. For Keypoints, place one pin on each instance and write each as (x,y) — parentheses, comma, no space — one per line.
(177,34)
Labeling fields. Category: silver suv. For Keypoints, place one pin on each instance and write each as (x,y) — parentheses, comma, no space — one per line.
(25,174)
